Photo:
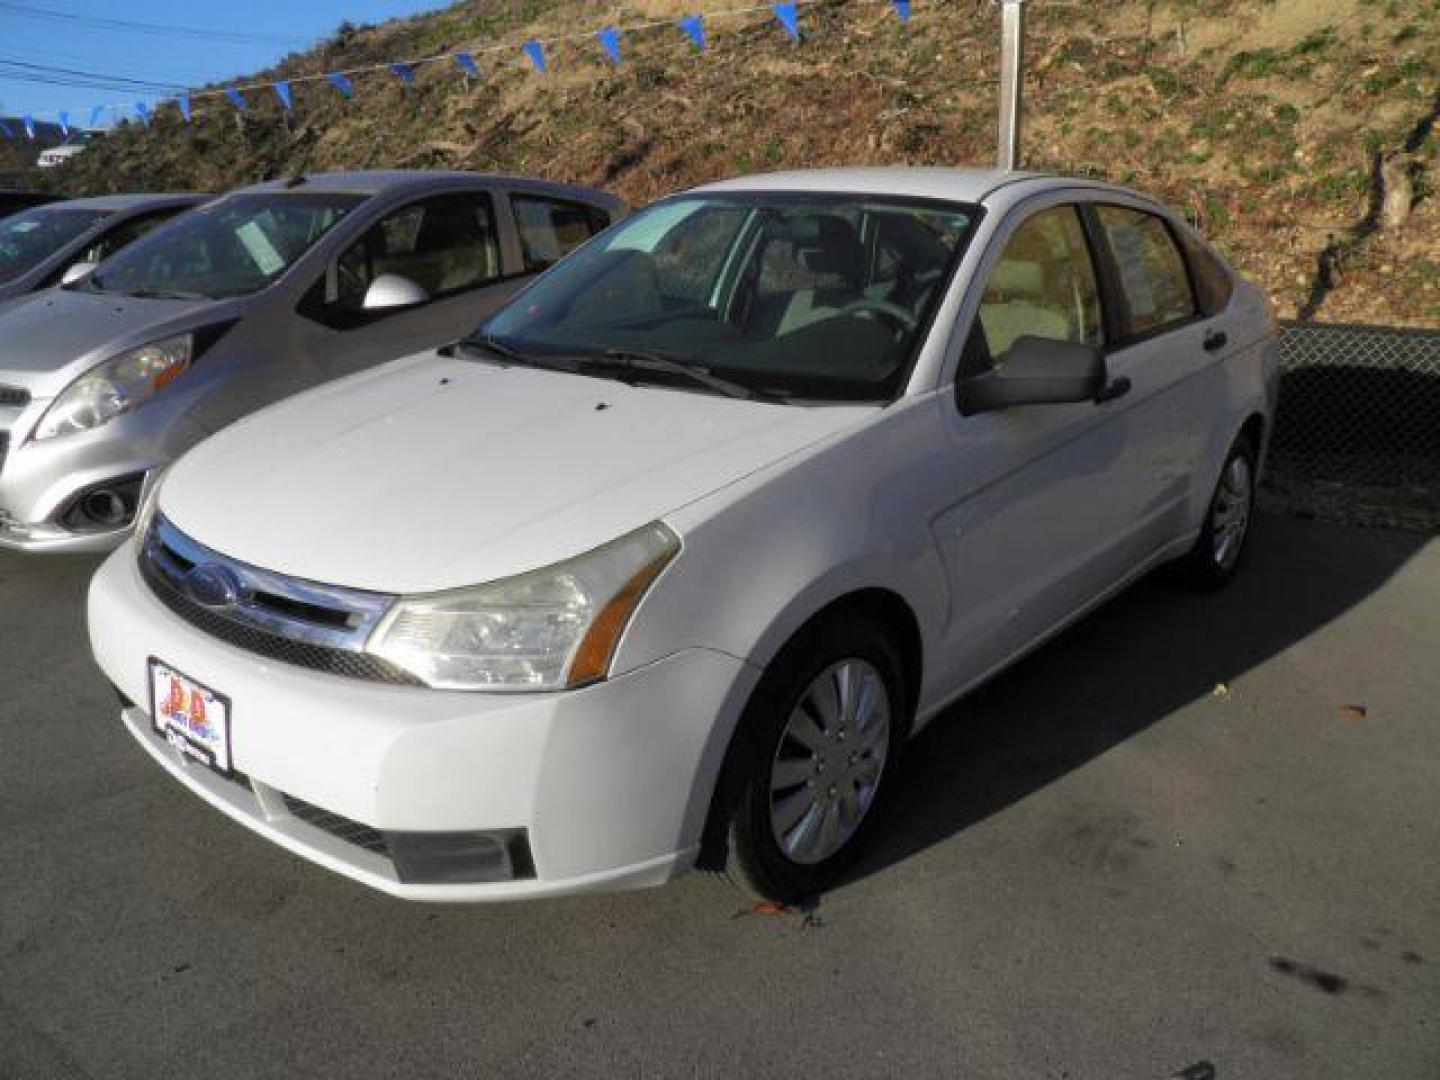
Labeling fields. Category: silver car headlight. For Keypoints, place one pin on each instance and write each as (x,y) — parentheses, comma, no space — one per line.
(116,386)
(548,629)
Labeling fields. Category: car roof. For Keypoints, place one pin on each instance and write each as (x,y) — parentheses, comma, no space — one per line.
(386,181)
(118,203)
(921,182)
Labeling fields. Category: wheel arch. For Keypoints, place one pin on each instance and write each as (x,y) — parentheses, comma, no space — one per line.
(871,602)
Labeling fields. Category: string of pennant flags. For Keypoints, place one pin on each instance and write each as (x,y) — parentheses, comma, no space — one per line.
(534,51)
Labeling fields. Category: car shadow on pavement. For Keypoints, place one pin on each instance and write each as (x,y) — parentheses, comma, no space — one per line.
(1150,651)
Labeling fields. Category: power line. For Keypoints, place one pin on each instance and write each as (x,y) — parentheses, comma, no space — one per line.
(120,81)
(233,37)
(19,53)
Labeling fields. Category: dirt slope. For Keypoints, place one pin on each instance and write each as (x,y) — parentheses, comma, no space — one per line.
(1271,122)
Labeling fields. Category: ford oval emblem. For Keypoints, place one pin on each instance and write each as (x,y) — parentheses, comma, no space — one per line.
(212,586)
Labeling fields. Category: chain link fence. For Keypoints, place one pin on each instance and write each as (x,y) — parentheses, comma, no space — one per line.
(1357,433)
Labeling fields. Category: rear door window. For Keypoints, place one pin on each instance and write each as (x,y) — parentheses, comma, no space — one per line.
(552,228)
(1153,278)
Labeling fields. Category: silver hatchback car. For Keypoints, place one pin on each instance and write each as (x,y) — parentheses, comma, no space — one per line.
(248,299)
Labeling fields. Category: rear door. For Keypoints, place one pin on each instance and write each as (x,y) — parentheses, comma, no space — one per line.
(1171,353)
(447,244)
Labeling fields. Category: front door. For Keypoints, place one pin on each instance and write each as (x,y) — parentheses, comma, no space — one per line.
(447,245)
(1044,494)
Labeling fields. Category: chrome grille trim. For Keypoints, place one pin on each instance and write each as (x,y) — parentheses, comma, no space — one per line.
(302,611)
(332,640)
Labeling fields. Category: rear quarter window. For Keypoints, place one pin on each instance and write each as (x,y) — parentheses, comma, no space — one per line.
(1214,284)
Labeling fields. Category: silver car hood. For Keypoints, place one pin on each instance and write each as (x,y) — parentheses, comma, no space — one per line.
(49,338)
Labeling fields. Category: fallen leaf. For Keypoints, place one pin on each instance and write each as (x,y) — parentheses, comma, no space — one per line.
(763,907)
(1354,712)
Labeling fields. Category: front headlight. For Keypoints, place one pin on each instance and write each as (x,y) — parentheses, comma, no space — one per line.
(545,630)
(149,499)
(116,386)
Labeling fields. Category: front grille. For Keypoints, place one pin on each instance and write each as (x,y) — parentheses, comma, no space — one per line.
(12,397)
(352,832)
(351,665)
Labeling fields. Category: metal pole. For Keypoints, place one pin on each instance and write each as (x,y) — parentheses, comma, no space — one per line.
(1012,76)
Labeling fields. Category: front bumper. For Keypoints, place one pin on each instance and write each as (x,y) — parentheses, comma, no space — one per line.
(39,480)
(611,783)
(53,539)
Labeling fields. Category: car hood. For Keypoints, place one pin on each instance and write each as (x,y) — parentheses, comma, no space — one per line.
(437,473)
(50,337)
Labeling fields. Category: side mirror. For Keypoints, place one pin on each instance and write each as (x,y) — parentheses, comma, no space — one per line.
(77,272)
(1037,371)
(390,291)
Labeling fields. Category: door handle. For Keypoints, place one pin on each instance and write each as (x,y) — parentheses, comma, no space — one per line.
(1215,339)
(1116,388)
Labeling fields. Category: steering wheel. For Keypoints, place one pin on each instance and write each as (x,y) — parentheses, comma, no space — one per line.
(901,316)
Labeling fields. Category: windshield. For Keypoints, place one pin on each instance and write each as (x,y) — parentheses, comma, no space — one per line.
(807,296)
(231,247)
(28,238)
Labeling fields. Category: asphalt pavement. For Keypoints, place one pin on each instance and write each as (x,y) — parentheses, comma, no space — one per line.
(1195,836)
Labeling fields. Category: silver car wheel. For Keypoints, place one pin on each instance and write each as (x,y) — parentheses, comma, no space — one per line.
(829,761)
(1230,517)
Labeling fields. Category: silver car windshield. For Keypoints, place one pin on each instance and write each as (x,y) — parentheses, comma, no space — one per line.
(30,237)
(231,247)
(813,297)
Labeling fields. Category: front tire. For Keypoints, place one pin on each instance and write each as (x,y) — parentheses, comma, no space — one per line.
(1216,555)
(813,760)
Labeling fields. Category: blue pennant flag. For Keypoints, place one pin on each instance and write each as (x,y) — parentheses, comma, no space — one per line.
(694,27)
(902,8)
(406,73)
(95,114)
(341,83)
(536,52)
(65,124)
(143,112)
(610,38)
(467,64)
(282,91)
(183,101)
(789,18)
(29,122)
(236,98)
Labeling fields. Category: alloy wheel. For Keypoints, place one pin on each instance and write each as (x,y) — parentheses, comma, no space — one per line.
(1230,516)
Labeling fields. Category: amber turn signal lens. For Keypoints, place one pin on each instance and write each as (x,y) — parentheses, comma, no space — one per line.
(592,659)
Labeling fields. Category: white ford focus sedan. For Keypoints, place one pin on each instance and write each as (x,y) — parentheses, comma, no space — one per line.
(664,564)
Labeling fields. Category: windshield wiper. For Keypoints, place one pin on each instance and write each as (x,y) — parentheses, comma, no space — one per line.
(490,344)
(621,362)
(166,294)
(640,361)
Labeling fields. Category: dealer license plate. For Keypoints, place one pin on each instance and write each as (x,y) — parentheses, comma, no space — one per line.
(191,717)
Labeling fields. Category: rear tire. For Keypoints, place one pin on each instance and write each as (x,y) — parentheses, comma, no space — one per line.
(813,760)
(1216,556)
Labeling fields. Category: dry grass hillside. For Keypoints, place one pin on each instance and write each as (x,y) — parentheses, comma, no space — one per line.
(1298,133)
